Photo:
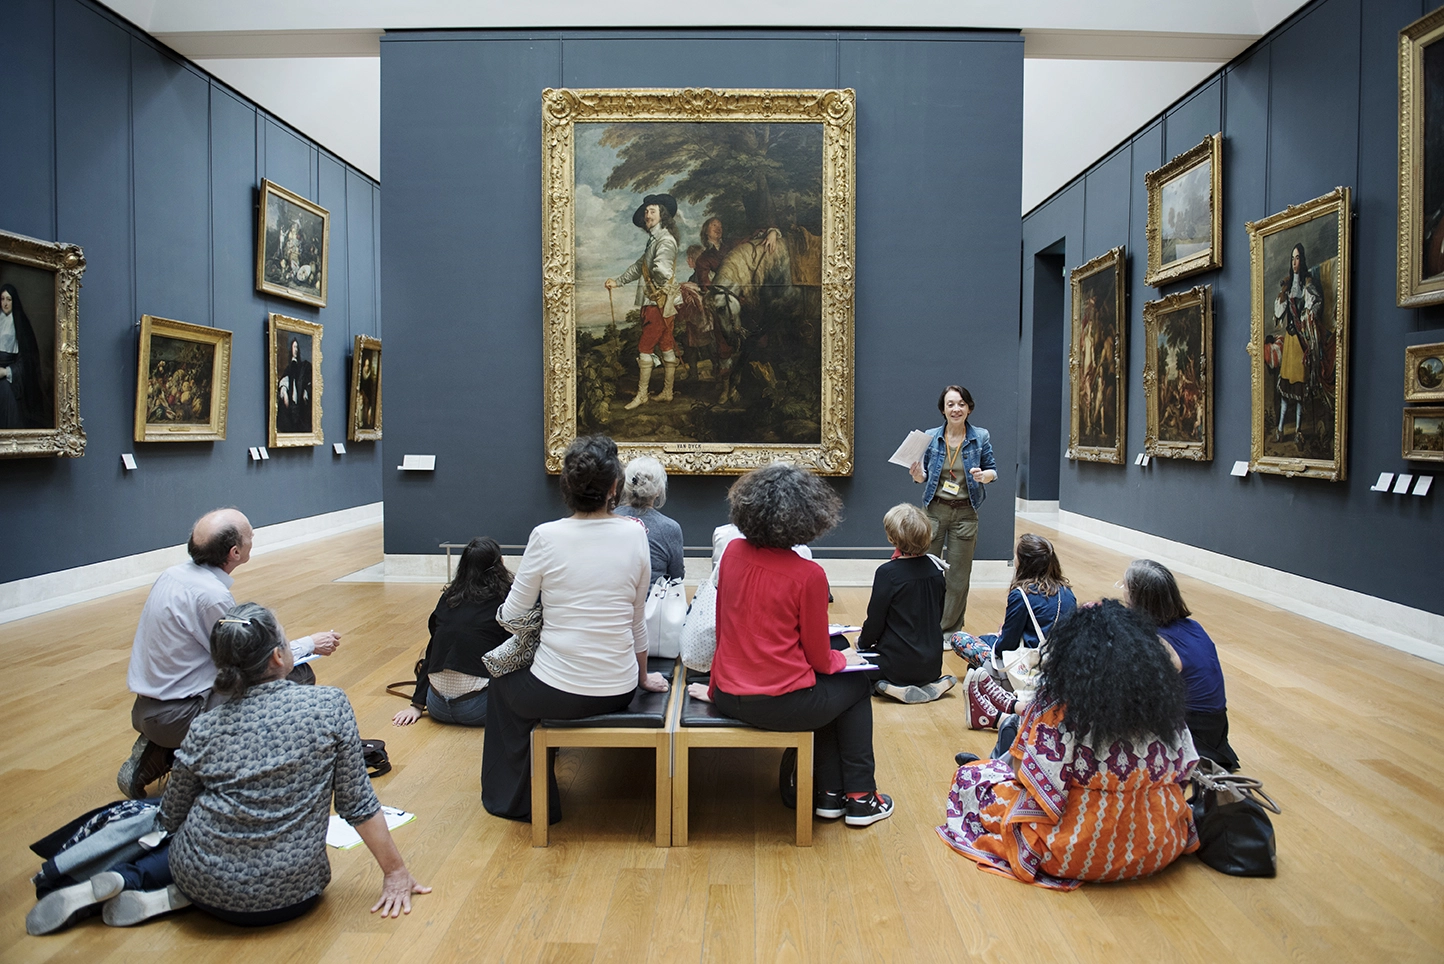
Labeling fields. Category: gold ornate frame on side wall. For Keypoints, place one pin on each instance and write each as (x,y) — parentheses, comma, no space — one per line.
(294,388)
(1191,179)
(1424,434)
(587,365)
(363,422)
(183,382)
(1098,360)
(1420,56)
(1424,373)
(1299,341)
(293,246)
(1178,375)
(46,276)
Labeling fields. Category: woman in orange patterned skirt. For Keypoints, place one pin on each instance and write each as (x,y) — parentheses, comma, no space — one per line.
(1092,788)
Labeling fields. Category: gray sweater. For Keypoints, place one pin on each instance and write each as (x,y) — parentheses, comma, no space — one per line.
(664,539)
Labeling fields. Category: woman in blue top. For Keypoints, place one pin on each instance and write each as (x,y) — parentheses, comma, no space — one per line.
(953,470)
(1152,590)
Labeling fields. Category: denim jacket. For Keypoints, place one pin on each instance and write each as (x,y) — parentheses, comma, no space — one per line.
(977,454)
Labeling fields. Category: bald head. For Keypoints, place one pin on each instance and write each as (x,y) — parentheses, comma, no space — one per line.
(221,538)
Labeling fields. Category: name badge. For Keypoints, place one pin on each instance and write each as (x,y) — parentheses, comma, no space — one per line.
(950,489)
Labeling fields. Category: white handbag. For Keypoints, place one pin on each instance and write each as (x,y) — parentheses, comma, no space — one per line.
(1023,666)
(699,632)
(666,610)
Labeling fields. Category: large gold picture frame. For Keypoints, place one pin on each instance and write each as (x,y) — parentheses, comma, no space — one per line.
(294,387)
(1421,162)
(1185,214)
(1098,360)
(183,382)
(1299,341)
(713,414)
(1178,375)
(41,281)
(1424,373)
(363,423)
(293,246)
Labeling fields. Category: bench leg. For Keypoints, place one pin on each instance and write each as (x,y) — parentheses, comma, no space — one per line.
(540,817)
(664,790)
(804,792)
(681,773)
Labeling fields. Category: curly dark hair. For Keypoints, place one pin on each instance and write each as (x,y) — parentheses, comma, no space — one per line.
(780,506)
(589,468)
(1108,669)
(480,574)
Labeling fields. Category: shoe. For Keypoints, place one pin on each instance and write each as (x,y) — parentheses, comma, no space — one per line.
(147,763)
(869,810)
(965,758)
(881,688)
(133,906)
(930,692)
(980,713)
(830,804)
(62,907)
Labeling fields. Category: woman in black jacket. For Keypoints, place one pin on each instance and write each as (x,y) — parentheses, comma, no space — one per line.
(452,685)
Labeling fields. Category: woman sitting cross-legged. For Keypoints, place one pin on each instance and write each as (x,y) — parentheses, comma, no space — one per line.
(903,613)
(774,667)
(463,627)
(590,573)
(249,800)
(1152,590)
(1092,788)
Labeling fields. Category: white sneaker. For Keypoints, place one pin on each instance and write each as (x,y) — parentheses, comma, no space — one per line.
(133,906)
(61,907)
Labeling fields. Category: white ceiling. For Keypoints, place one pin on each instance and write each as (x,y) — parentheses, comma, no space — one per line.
(1094,70)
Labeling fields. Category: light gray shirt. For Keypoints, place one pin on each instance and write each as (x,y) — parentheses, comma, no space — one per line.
(660,258)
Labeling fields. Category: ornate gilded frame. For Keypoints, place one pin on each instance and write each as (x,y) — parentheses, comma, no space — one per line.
(269,190)
(1414,389)
(1336,205)
(1416,454)
(1154,314)
(277,325)
(214,428)
(67,263)
(1413,288)
(562,109)
(1209,152)
(1115,261)
(355,432)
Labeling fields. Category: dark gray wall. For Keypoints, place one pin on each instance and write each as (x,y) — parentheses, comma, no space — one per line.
(939,147)
(115,144)
(1311,106)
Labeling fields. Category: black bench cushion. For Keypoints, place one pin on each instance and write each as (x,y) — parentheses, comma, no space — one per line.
(647,710)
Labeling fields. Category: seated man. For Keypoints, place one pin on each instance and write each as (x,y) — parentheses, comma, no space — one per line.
(171,671)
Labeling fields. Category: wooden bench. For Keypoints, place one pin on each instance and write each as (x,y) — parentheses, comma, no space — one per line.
(699,723)
(644,723)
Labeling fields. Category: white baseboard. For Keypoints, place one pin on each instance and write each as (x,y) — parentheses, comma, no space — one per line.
(1400,627)
(1036,506)
(55,590)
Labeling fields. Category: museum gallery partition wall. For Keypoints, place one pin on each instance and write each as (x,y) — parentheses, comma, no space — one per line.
(1311,107)
(152,167)
(938,136)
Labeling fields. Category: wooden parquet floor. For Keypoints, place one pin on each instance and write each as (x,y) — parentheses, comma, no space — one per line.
(1345,734)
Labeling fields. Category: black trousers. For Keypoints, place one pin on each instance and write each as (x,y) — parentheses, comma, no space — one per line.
(1210,738)
(838,709)
(517,702)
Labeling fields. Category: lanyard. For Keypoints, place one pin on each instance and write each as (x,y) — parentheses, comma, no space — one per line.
(953,454)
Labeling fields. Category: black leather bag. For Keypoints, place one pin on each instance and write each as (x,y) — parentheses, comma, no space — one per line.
(1235,835)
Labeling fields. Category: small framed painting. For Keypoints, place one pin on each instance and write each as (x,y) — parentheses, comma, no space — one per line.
(1097,360)
(1185,213)
(183,382)
(1424,434)
(1424,373)
(1178,375)
(364,424)
(295,382)
(293,241)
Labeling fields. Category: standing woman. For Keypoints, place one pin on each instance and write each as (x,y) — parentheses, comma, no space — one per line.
(21,405)
(953,470)
(590,572)
(644,494)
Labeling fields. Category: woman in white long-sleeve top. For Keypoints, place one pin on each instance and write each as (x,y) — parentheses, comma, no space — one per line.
(590,572)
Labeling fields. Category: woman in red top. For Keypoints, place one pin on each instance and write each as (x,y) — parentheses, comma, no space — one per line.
(775,667)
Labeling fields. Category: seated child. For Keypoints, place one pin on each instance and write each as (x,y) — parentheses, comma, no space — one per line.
(904,611)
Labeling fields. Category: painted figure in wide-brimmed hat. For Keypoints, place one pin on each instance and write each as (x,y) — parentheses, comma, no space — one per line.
(658,294)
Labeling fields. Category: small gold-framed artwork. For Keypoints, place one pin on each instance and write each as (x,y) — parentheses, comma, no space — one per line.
(1185,213)
(293,245)
(295,382)
(1424,434)
(1424,373)
(40,348)
(183,382)
(1178,375)
(1421,162)
(364,423)
(1300,264)
(1097,361)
